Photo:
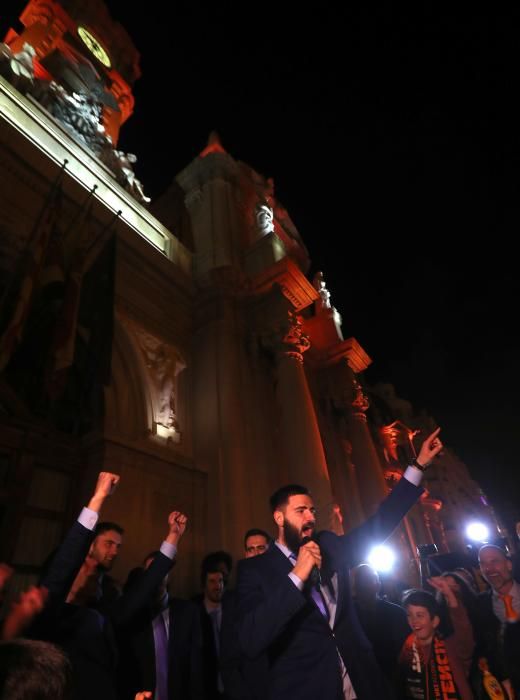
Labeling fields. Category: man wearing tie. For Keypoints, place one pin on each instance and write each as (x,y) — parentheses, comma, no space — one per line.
(498,618)
(161,648)
(294,606)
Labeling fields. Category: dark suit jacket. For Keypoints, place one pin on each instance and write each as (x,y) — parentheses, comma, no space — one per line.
(210,654)
(86,634)
(137,663)
(243,678)
(276,620)
(500,644)
(386,627)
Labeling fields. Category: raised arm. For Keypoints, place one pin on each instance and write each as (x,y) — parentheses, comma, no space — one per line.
(71,554)
(142,592)
(353,547)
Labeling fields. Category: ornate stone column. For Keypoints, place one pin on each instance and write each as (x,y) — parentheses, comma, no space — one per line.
(304,455)
(371,481)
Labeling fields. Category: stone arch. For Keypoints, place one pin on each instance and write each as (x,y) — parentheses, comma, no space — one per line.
(142,400)
(128,403)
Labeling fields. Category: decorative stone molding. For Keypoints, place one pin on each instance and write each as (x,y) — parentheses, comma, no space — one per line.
(290,279)
(349,349)
(360,404)
(294,340)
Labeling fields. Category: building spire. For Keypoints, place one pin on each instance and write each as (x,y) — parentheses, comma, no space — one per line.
(214,145)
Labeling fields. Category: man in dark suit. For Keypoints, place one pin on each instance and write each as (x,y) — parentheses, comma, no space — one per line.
(498,618)
(294,605)
(85,633)
(161,648)
(234,669)
(210,612)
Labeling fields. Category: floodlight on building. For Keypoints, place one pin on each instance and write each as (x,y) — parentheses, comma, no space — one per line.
(477,532)
(382,558)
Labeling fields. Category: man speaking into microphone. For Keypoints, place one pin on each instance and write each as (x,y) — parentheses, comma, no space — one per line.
(294,606)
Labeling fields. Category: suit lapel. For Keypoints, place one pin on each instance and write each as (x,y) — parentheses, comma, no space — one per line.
(278,561)
(330,568)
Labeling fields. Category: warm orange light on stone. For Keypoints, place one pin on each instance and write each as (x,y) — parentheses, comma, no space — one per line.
(214,145)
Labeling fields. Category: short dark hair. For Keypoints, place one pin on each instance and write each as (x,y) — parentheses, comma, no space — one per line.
(256,531)
(103,527)
(33,670)
(414,596)
(280,498)
(210,564)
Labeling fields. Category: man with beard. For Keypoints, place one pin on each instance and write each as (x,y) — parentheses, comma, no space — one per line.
(294,606)
(498,618)
(210,610)
(93,584)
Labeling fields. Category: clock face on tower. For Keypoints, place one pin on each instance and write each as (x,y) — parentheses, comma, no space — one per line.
(93,45)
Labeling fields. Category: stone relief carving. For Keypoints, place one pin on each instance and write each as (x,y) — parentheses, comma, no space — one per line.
(163,364)
(360,404)
(294,341)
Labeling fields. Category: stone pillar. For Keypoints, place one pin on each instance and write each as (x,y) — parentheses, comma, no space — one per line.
(220,422)
(354,510)
(303,448)
(371,481)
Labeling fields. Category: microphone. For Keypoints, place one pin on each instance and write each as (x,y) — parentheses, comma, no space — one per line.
(315,575)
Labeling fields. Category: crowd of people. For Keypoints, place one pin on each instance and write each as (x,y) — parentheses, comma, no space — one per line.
(306,618)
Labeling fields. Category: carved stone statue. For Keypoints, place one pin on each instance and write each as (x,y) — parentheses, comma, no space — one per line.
(127,178)
(319,285)
(264,218)
(81,113)
(163,364)
(18,68)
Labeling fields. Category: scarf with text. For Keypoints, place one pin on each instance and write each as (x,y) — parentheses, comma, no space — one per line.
(428,678)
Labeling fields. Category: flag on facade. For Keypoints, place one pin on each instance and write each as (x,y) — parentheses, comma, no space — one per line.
(96,313)
(64,337)
(19,296)
(87,311)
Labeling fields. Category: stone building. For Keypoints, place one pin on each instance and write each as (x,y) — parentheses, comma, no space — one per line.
(180,344)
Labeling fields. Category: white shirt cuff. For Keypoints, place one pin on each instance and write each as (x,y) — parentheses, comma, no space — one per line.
(413,475)
(169,550)
(296,580)
(88,518)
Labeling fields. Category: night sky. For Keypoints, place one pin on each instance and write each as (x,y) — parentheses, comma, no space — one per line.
(393,141)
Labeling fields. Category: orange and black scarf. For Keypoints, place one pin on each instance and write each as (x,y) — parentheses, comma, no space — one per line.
(427,679)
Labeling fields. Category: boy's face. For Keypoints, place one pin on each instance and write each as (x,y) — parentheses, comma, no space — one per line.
(422,623)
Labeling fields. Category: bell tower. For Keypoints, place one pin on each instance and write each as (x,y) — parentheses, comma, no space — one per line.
(84,51)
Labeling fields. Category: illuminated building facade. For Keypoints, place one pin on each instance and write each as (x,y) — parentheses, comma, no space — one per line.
(199,361)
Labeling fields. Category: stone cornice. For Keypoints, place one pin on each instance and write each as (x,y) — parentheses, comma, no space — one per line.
(293,284)
(30,124)
(348,349)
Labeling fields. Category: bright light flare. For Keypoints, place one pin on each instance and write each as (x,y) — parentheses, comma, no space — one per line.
(382,558)
(478,532)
